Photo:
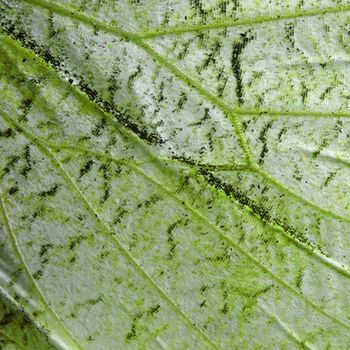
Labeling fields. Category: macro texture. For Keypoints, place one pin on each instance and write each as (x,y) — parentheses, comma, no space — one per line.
(174,174)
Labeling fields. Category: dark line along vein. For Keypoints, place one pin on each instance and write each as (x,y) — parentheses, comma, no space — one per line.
(262,173)
(71,183)
(328,261)
(298,197)
(113,29)
(162,61)
(196,213)
(337,266)
(202,218)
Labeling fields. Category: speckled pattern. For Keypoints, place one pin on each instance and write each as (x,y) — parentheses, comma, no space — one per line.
(174,174)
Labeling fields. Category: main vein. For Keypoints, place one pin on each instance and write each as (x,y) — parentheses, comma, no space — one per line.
(250,165)
(133,37)
(330,262)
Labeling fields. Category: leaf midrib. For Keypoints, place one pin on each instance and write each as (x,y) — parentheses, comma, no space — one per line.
(326,260)
(296,291)
(330,262)
(228,111)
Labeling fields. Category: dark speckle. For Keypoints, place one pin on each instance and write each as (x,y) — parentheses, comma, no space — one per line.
(237,49)
(51,192)
(86,168)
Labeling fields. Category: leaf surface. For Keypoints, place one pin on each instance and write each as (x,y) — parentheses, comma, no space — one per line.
(174,175)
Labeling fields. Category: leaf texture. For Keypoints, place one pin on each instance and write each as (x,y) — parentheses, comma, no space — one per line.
(174,174)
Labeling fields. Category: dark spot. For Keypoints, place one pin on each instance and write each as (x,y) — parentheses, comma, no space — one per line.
(262,138)
(74,241)
(154,310)
(211,57)
(323,145)
(7,133)
(183,53)
(25,106)
(204,288)
(281,133)
(171,240)
(37,275)
(152,200)
(198,8)
(329,178)
(94,301)
(304,92)
(13,190)
(120,214)
(51,28)
(237,50)
(326,92)
(132,333)
(104,254)
(97,131)
(51,192)
(181,101)
(133,76)
(289,30)
(28,167)
(299,280)
(105,167)
(133,330)
(44,249)
(6,319)
(86,168)
(224,309)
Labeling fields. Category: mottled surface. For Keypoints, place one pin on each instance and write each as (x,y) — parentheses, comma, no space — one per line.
(174,174)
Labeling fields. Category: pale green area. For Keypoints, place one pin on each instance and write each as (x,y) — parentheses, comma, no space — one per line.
(174,174)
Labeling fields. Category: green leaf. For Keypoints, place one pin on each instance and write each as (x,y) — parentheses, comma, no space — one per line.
(174,174)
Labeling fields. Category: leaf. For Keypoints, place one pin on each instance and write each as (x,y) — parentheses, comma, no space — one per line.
(174,175)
